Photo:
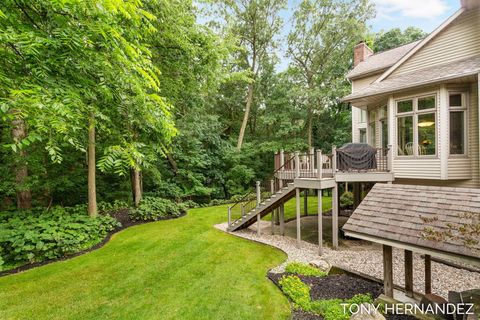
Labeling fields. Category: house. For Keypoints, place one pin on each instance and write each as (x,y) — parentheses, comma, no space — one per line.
(422,99)
(415,108)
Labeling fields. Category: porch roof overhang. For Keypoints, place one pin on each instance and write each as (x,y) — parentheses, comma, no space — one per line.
(423,219)
(457,70)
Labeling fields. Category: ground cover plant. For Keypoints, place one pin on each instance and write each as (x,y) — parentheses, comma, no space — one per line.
(152,209)
(330,309)
(304,269)
(38,235)
(173,269)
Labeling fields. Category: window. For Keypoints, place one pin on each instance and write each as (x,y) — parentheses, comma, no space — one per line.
(405,136)
(363,135)
(416,126)
(457,107)
(363,116)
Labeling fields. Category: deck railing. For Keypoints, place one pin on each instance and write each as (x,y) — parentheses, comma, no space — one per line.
(260,192)
(380,163)
(309,165)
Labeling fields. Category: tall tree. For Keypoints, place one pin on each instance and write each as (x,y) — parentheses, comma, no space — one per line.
(75,71)
(385,40)
(320,45)
(255,23)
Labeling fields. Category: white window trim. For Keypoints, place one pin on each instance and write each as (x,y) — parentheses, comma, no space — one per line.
(464,108)
(414,114)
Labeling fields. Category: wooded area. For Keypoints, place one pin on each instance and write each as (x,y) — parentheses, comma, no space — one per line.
(110,99)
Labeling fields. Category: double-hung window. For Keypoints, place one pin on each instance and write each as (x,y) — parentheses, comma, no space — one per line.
(457,109)
(416,126)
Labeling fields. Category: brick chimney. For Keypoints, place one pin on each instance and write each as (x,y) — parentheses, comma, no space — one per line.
(360,53)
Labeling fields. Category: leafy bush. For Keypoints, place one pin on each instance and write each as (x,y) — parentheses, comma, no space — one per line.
(39,234)
(151,209)
(297,291)
(346,200)
(331,309)
(106,207)
(304,269)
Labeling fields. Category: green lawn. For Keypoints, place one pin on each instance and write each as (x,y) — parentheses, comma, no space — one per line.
(311,208)
(176,269)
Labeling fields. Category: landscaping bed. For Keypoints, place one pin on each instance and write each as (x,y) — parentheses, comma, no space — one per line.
(32,238)
(316,295)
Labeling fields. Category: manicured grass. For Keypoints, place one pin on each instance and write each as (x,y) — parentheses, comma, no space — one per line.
(176,269)
(311,206)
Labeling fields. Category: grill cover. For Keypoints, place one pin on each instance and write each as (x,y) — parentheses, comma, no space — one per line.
(356,156)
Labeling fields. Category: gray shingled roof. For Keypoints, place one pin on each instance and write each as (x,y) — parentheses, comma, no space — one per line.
(401,213)
(425,76)
(381,60)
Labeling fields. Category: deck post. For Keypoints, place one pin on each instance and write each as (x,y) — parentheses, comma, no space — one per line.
(282,219)
(320,222)
(272,223)
(334,159)
(409,273)
(428,274)
(272,187)
(297,203)
(259,195)
(389,158)
(319,164)
(305,202)
(282,163)
(311,159)
(243,212)
(388,270)
(229,217)
(297,165)
(335,217)
(258,224)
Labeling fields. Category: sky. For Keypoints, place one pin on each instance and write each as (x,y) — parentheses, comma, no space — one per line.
(423,14)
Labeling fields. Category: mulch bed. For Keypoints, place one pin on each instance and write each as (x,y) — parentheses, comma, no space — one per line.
(340,286)
(121,215)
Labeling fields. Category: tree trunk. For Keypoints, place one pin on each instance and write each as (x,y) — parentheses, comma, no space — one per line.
(136,178)
(246,115)
(309,131)
(24,196)
(92,192)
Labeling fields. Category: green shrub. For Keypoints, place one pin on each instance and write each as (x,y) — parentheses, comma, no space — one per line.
(346,200)
(151,209)
(106,207)
(39,234)
(304,269)
(331,309)
(297,291)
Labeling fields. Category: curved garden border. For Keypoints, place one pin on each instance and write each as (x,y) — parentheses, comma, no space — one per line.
(97,246)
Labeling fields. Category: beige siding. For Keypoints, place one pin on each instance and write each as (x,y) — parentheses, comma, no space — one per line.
(462,172)
(363,82)
(415,168)
(471,165)
(460,40)
(356,125)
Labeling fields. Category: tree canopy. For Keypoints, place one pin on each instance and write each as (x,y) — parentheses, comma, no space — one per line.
(113,99)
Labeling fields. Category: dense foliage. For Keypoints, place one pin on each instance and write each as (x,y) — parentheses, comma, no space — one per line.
(304,269)
(111,99)
(38,235)
(151,209)
(331,309)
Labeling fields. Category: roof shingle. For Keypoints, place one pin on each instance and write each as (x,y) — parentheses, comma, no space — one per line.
(452,70)
(381,60)
(407,214)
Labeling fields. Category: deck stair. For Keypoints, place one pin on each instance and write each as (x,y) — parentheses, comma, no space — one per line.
(263,208)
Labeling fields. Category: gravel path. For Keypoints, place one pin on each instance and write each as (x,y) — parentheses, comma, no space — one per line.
(366,260)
